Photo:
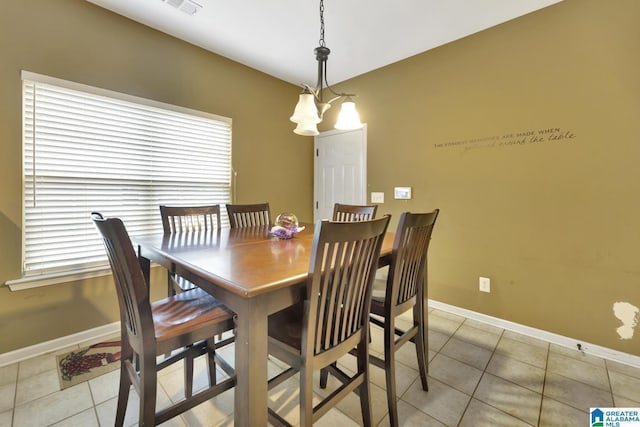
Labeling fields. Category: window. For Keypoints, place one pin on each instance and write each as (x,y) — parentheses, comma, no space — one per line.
(87,149)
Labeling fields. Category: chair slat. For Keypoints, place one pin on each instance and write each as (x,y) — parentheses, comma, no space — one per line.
(351,213)
(252,215)
(182,325)
(405,290)
(334,318)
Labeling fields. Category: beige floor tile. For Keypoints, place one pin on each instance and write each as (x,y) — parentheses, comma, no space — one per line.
(446,315)
(478,357)
(37,386)
(526,339)
(376,343)
(407,355)
(442,402)
(350,405)
(408,416)
(7,396)
(479,414)
(9,374)
(477,337)
(625,386)
(508,392)
(437,340)
(285,400)
(6,418)
(525,352)
(227,422)
(86,418)
(54,407)
(106,411)
(213,411)
(574,353)
(511,398)
(578,370)
(405,376)
(623,402)
(37,365)
(335,418)
(632,371)
(513,370)
(105,386)
(405,322)
(443,324)
(575,393)
(454,373)
(483,326)
(557,414)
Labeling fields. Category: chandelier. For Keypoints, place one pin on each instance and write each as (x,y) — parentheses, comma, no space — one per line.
(311,108)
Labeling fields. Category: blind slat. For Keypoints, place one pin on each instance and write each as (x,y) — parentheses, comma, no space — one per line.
(84,152)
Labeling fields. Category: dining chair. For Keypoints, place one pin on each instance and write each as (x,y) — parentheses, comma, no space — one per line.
(248,215)
(182,219)
(348,213)
(334,317)
(182,325)
(404,289)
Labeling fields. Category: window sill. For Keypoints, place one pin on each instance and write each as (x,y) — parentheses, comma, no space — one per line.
(53,279)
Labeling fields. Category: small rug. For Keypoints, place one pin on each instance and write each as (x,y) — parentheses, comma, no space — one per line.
(87,363)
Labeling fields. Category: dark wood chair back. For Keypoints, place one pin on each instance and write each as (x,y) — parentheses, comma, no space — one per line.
(183,219)
(404,289)
(131,287)
(253,215)
(350,213)
(334,318)
(182,326)
(406,278)
(178,219)
(344,260)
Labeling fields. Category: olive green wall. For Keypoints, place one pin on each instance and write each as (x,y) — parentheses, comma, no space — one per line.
(553,223)
(78,41)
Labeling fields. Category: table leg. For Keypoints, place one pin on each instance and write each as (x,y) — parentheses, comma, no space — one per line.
(145,265)
(251,349)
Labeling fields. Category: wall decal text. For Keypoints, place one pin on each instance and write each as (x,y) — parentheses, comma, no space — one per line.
(514,139)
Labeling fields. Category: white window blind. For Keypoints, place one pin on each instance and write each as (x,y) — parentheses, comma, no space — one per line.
(87,149)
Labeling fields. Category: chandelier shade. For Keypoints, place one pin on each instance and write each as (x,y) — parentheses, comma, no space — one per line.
(348,118)
(306,129)
(306,110)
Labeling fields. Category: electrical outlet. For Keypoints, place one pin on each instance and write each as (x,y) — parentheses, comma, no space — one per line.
(485,284)
(377,197)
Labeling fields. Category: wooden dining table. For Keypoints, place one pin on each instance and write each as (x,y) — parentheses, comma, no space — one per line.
(255,274)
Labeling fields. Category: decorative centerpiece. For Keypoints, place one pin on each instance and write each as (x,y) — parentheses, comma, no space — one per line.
(286,226)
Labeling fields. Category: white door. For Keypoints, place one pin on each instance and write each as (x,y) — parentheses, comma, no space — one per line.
(340,170)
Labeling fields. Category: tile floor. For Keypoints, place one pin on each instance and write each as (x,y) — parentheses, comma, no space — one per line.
(480,375)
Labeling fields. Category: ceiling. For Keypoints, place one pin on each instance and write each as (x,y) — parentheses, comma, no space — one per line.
(277,37)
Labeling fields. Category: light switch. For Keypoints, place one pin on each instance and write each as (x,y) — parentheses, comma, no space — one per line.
(402,193)
(377,197)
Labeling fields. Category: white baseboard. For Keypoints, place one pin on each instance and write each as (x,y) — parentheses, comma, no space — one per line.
(588,348)
(114,328)
(95,334)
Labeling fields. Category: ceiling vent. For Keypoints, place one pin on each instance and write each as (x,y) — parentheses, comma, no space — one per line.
(189,7)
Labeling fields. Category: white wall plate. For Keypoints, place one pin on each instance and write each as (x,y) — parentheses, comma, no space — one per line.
(402,193)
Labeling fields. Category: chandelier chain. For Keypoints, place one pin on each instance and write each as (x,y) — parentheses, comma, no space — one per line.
(321,41)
